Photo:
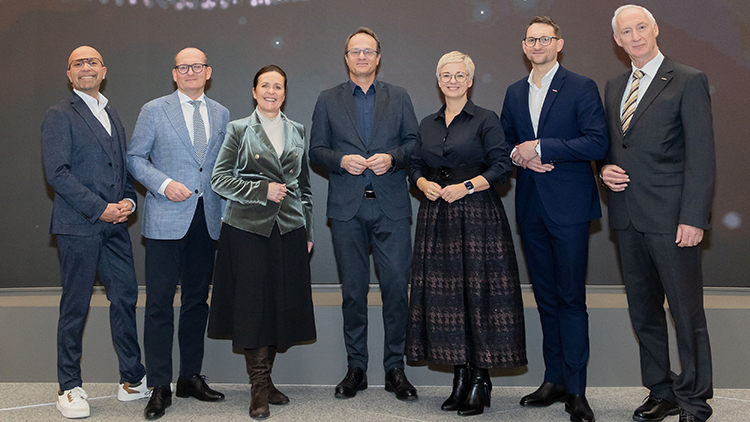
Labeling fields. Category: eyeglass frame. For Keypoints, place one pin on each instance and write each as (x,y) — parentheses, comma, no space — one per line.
(355,52)
(189,67)
(93,62)
(442,76)
(539,40)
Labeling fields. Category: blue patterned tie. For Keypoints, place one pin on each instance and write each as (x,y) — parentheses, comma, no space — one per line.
(200,142)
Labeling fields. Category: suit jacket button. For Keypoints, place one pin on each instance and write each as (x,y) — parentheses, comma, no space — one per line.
(196,191)
(297,154)
(112,185)
(531,178)
(624,146)
(200,169)
(110,164)
(257,156)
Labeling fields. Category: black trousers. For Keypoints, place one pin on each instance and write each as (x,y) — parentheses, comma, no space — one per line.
(654,267)
(190,261)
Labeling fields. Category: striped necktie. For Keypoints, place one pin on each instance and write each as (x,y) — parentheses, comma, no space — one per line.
(200,142)
(630,102)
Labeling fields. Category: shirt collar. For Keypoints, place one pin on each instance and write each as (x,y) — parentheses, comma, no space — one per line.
(184,98)
(354,86)
(91,101)
(469,108)
(651,67)
(546,79)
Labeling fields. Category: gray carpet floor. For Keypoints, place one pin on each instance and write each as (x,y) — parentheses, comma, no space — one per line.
(36,402)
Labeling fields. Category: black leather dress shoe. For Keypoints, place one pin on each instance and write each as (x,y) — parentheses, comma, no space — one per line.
(161,399)
(687,417)
(655,409)
(355,380)
(545,395)
(579,409)
(196,386)
(396,382)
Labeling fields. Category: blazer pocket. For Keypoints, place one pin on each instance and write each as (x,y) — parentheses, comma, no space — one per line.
(668,179)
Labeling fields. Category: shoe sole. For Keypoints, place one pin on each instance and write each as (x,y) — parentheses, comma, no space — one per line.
(125,396)
(673,412)
(73,414)
(543,404)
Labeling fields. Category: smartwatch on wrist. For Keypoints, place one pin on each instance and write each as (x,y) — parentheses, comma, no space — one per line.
(469,186)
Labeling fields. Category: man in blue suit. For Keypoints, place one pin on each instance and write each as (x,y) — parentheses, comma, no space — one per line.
(555,120)
(363,133)
(172,153)
(83,147)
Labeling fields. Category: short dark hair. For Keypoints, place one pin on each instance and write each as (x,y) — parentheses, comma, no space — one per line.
(269,68)
(547,21)
(362,30)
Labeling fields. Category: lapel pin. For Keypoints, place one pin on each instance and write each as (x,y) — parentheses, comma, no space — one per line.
(663,78)
(554,90)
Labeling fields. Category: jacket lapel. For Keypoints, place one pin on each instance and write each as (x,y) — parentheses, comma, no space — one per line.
(214,123)
(173,109)
(614,101)
(659,81)
(93,123)
(554,88)
(351,109)
(381,99)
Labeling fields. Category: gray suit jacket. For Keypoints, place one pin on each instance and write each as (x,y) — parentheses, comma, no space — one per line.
(84,168)
(668,152)
(335,132)
(160,148)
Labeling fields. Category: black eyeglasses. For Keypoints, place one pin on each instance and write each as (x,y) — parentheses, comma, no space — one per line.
(93,63)
(369,52)
(543,41)
(197,68)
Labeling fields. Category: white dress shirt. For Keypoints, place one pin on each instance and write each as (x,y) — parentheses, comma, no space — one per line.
(97,107)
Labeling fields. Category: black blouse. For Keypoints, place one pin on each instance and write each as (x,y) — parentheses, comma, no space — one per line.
(474,136)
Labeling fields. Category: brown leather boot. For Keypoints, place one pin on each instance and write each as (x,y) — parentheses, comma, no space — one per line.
(259,372)
(274,396)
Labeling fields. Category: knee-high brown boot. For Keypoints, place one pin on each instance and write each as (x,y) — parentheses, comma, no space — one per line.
(274,395)
(260,376)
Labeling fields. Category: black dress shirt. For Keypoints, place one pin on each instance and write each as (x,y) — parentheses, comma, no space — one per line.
(364,102)
(474,136)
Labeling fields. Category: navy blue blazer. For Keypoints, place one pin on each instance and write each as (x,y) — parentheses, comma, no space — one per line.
(335,132)
(86,170)
(572,132)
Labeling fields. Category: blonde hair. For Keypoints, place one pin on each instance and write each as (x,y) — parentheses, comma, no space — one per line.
(456,57)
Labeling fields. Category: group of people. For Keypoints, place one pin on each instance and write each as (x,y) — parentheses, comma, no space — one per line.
(652,140)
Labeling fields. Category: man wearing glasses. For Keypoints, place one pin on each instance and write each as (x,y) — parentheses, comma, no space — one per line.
(172,153)
(363,132)
(555,121)
(83,148)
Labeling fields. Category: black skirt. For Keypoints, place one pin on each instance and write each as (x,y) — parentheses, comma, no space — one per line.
(262,295)
(465,303)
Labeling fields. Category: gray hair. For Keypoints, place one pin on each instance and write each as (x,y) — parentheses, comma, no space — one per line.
(629,6)
(456,57)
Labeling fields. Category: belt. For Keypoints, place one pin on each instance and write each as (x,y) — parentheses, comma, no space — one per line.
(369,194)
(449,175)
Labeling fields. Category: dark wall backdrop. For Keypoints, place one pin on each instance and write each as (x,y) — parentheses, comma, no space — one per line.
(138,39)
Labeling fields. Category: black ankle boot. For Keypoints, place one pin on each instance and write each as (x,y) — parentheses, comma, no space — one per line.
(479,393)
(460,388)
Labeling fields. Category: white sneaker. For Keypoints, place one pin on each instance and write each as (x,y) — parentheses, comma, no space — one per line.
(72,403)
(130,392)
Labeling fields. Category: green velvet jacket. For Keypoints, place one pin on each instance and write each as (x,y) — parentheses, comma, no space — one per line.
(247,162)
